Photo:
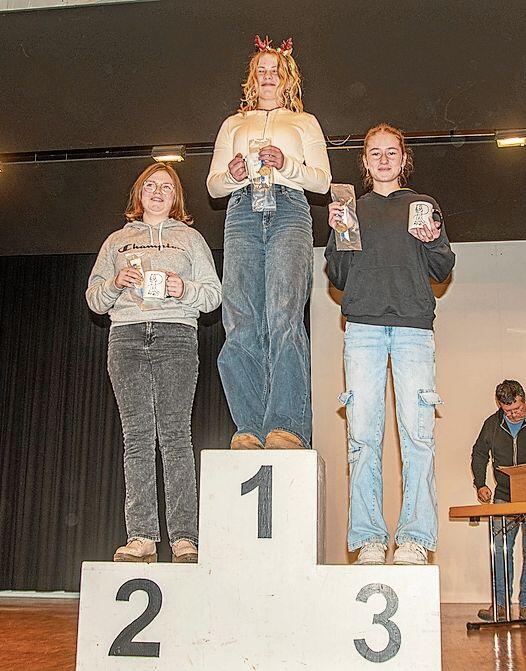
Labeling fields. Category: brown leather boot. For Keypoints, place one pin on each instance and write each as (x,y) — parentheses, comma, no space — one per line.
(487,613)
(282,440)
(245,441)
(137,549)
(522,613)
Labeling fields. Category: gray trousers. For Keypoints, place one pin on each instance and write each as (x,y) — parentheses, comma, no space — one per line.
(153,369)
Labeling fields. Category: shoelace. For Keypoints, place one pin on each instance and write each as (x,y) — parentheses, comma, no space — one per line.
(415,547)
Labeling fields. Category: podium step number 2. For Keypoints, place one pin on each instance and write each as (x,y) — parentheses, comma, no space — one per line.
(260,598)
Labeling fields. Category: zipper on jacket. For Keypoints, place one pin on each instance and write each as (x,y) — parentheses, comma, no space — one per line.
(504,427)
(267,112)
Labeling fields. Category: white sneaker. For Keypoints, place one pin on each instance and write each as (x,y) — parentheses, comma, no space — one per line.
(410,553)
(372,553)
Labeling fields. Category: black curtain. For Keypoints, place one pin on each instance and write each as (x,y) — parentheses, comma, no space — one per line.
(61,475)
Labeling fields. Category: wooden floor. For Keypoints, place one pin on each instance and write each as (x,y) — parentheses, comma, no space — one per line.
(40,635)
(489,649)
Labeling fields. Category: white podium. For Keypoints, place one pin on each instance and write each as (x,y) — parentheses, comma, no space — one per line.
(260,598)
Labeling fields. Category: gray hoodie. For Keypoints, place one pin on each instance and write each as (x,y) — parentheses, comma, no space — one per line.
(172,245)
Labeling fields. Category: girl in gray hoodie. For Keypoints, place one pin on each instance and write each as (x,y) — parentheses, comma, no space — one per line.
(153,277)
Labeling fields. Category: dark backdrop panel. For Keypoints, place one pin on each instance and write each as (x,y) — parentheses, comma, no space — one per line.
(480,188)
(71,207)
(54,208)
(61,476)
(169,71)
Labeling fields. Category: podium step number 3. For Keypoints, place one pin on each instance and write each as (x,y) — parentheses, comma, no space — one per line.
(260,598)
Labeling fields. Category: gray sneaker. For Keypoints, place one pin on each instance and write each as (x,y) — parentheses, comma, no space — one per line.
(372,553)
(410,553)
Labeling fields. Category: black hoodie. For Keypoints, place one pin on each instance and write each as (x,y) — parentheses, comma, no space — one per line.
(387,283)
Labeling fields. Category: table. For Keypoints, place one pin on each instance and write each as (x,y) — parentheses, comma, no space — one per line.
(515,510)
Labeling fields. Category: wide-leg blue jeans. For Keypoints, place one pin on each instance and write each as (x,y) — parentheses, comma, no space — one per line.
(412,353)
(267,276)
(153,370)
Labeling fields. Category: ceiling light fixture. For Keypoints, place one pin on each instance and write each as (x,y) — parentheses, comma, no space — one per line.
(510,138)
(169,153)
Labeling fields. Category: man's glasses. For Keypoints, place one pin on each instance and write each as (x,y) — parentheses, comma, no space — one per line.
(151,187)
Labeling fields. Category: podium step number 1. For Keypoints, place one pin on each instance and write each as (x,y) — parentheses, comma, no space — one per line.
(260,598)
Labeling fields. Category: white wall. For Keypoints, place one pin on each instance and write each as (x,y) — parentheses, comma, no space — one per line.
(480,336)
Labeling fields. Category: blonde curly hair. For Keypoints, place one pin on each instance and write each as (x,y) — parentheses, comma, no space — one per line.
(289,89)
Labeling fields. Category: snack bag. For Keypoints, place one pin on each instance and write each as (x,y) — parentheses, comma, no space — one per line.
(261,178)
(156,294)
(348,231)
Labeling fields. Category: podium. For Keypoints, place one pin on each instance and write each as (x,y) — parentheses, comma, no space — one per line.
(517,476)
(260,597)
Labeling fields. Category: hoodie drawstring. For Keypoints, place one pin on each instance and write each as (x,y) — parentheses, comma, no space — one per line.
(161,246)
(161,236)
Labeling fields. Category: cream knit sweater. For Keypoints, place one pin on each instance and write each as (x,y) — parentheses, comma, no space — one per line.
(298,135)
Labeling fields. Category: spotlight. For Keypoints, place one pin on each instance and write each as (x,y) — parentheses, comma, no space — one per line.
(510,138)
(169,152)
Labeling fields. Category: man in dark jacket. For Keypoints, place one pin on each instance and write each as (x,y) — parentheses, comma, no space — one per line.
(503,437)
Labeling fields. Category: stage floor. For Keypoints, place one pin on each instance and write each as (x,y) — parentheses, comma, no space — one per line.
(41,634)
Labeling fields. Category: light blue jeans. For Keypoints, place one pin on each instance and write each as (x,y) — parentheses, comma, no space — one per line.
(267,275)
(499,564)
(412,353)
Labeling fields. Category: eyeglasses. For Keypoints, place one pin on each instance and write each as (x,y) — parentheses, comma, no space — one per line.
(151,187)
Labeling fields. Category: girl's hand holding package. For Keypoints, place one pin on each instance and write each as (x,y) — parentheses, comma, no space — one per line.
(272,157)
(128,277)
(335,214)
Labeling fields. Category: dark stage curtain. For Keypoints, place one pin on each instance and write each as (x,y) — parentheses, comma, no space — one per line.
(61,475)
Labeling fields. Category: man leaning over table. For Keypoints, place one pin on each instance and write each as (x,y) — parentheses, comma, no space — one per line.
(503,439)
